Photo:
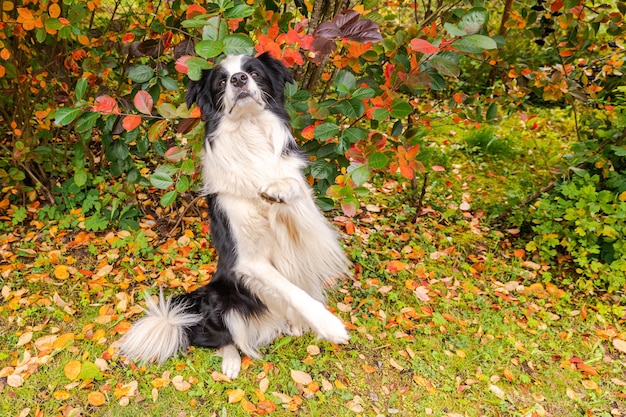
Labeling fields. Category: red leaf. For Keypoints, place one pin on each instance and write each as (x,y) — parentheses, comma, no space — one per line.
(194,10)
(131,122)
(423,46)
(181,64)
(105,105)
(143,102)
(438,168)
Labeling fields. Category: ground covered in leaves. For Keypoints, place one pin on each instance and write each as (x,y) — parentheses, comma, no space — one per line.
(448,314)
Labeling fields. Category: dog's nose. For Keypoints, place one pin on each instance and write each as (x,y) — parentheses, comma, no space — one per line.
(239,79)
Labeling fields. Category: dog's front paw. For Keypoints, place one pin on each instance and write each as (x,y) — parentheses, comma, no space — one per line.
(281,191)
(231,361)
(330,327)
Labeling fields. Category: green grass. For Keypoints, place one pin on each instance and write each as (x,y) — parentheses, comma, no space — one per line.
(446,318)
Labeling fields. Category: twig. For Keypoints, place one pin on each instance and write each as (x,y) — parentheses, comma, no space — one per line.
(180,218)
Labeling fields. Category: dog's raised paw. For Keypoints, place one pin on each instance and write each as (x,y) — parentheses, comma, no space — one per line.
(280,191)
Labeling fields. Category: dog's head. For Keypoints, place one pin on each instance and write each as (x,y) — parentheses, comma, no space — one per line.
(240,83)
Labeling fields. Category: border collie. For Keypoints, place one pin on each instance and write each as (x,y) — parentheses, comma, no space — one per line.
(277,253)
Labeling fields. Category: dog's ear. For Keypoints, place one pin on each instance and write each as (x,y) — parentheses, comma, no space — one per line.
(276,68)
(198,92)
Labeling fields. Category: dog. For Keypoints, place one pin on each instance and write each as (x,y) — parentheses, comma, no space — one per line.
(277,254)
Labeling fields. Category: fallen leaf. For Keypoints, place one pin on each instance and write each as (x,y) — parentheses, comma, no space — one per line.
(96,398)
(497,391)
(25,338)
(15,381)
(620,345)
(301,377)
(180,384)
(61,272)
(72,369)
(236,395)
(313,350)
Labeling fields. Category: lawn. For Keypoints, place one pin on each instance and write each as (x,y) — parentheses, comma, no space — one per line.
(449,315)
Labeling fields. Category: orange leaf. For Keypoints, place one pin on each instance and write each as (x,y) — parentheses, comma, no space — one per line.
(72,369)
(248,406)
(96,398)
(106,105)
(587,369)
(61,272)
(54,10)
(423,46)
(396,266)
(194,10)
(131,122)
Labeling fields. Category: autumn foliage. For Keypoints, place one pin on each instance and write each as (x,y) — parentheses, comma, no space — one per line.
(93,92)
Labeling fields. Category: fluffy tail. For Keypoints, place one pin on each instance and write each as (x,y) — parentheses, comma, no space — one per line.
(161,333)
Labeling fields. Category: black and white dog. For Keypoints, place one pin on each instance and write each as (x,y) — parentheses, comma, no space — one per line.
(277,253)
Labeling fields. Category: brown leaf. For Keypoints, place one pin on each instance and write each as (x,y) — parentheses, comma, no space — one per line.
(620,345)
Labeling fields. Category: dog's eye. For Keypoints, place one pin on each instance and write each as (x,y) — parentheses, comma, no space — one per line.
(254,74)
(222,83)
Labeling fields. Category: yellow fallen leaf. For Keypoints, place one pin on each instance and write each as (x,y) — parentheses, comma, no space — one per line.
(248,406)
(236,395)
(61,272)
(63,340)
(96,398)
(589,384)
(301,377)
(160,382)
(61,395)
(72,369)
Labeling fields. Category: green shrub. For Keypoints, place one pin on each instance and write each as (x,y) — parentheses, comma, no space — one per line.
(588,223)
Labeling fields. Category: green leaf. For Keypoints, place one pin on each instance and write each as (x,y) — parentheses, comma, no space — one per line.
(345,82)
(80,177)
(326,131)
(195,66)
(168,198)
(167,110)
(354,134)
(89,371)
(161,180)
(141,73)
(322,169)
(474,20)
(183,184)
(86,122)
(475,44)
(400,109)
(352,108)
(64,116)
(360,175)
(81,88)
(378,160)
(445,66)
(380,114)
(362,93)
(169,83)
(240,11)
(215,29)
(238,44)
(492,112)
(209,48)
(453,30)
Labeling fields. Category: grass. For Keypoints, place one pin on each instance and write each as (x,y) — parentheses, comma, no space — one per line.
(447,316)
